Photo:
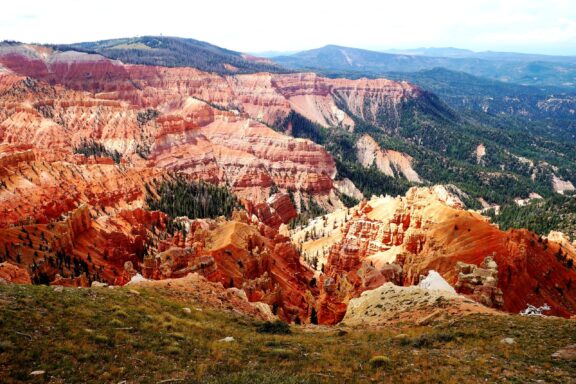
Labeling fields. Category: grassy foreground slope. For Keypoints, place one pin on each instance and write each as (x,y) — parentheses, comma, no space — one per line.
(112,335)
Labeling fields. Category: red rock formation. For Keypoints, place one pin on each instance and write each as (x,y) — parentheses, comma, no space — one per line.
(244,254)
(224,147)
(41,192)
(11,156)
(263,96)
(70,219)
(421,232)
(189,136)
(81,249)
(14,274)
(276,210)
(109,102)
(211,127)
(92,227)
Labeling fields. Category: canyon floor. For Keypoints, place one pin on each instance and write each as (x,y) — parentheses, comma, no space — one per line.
(156,334)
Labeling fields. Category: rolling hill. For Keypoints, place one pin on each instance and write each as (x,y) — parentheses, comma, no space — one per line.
(175,52)
(513,68)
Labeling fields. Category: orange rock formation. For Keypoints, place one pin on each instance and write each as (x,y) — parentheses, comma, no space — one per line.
(400,239)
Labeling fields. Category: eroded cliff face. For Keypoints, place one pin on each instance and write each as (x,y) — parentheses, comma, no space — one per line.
(264,97)
(190,136)
(399,239)
(75,223)
(114,246)
(41,191)
(242,253)
(202,124)
(245,154)
(71,224)
(389,162)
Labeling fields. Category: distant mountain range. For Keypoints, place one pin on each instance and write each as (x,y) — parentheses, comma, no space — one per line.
(526,69)
(334,60)
(487,55)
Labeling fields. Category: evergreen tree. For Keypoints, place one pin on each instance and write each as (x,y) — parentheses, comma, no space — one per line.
(313,316)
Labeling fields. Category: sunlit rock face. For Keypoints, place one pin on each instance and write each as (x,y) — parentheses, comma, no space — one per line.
(400,239)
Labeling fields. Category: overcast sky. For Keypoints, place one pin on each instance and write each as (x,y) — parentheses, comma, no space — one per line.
(541,26)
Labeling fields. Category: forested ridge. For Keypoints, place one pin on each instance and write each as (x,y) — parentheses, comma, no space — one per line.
(174,52)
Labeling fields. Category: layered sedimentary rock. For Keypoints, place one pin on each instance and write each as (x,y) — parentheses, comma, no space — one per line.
(240,253)
(184,134)
(80,249)
(220,145)
(265,97)
(115,246)
(389,162)
(74,219)
(278,209)
(480,282)
(41,191)
(389,304)
(14,155)
(72,224)
(398,239)
(154,116)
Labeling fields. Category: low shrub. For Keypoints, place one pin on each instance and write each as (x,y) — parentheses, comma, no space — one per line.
(380,362)
(277,327)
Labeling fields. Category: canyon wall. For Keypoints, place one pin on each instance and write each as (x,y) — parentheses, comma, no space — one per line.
(400,239)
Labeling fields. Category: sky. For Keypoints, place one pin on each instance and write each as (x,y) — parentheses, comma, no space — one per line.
(533,26)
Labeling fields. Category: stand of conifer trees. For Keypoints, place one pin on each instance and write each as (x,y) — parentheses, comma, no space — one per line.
(181,197)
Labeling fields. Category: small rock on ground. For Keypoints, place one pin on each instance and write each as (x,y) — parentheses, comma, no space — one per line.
(401,336)
(567,353)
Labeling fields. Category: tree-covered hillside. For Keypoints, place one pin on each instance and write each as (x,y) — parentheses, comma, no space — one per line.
(175,52)
(556,213)
(181,197)
(443,144)
(467,92)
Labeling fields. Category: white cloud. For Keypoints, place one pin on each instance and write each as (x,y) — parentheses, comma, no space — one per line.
(302,24)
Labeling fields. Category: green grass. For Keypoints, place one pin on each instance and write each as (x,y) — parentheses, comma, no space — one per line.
(111,335)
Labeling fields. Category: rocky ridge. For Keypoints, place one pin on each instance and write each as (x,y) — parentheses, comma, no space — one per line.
(399,239)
